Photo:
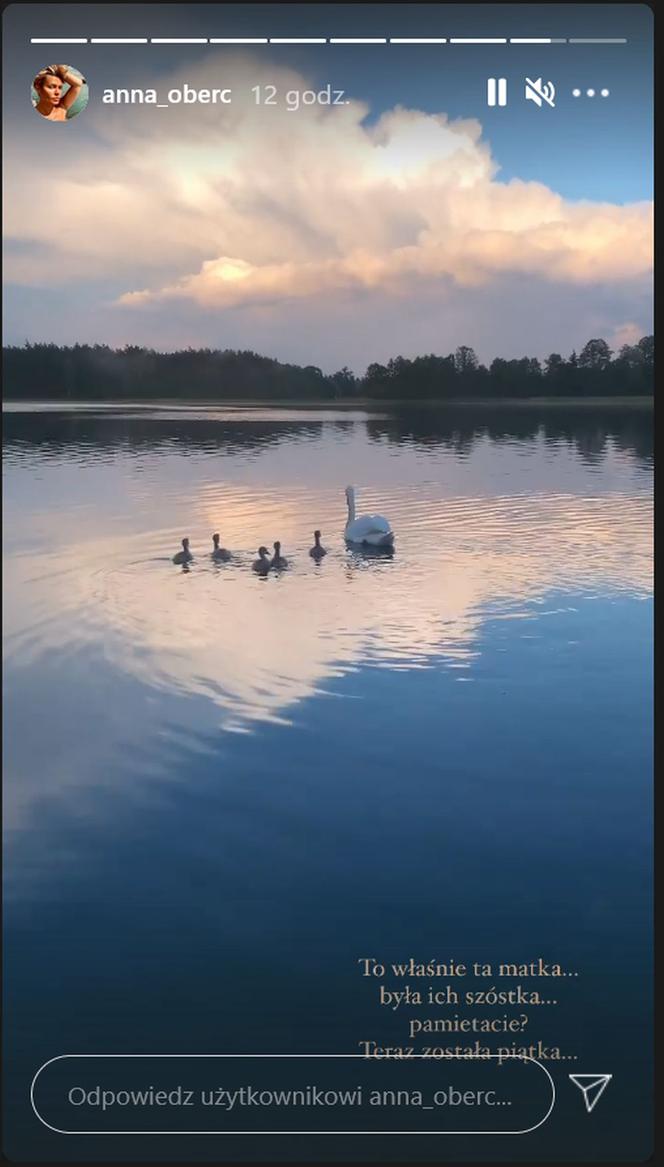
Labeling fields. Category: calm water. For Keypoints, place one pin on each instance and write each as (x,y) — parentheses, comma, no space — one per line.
(222,791)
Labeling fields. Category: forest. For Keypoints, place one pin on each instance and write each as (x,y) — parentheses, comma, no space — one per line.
(81,372)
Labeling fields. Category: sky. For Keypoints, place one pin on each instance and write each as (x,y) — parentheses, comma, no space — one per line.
(409,218)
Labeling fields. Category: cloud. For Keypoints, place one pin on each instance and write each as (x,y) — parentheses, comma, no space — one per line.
(242,205)
(627,333)
(583,245)
(437,212)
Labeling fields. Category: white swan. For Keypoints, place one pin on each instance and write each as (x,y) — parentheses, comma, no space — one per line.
(371,529)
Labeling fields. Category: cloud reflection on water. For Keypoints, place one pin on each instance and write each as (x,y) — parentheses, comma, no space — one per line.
(101,626)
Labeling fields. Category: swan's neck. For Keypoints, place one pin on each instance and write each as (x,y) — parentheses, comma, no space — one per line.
(351,506)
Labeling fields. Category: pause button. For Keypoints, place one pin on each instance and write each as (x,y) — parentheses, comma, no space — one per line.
(496,91)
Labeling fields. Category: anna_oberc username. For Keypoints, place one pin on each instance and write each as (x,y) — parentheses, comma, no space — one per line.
(52,104)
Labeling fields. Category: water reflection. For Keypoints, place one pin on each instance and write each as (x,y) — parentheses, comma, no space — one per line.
(587,428)
(222,790)
(96,433)
(486,527)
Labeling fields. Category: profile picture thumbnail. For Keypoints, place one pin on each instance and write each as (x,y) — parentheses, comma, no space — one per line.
(59,93)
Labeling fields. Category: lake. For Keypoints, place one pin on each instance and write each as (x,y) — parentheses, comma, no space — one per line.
(223,791)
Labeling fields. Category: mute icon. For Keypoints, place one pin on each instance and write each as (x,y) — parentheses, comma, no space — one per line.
(538,92)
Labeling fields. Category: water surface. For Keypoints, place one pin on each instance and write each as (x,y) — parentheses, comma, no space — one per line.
(222,791)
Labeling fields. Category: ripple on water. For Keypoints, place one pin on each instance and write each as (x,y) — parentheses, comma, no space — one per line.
(255,647)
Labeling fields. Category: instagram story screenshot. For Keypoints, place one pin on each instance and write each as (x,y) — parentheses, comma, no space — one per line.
(327,572)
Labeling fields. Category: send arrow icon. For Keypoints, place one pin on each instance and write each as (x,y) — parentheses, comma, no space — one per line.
(592,1086)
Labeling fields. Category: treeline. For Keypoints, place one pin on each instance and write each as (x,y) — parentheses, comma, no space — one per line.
(595,371)
(97,372)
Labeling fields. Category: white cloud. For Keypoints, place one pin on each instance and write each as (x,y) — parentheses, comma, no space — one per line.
(627,333)
(243,205)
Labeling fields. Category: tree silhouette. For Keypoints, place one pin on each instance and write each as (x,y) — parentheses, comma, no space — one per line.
(465,360)
(96,372)
(596,354)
